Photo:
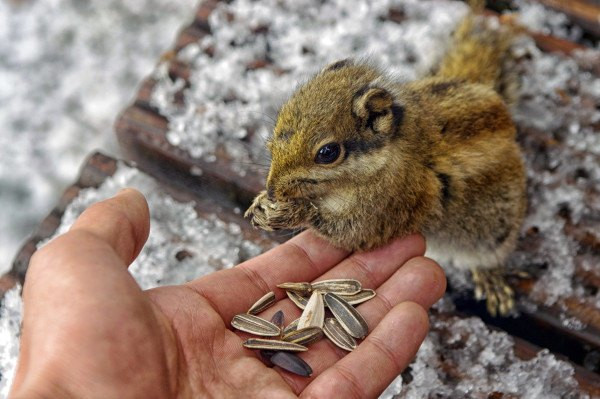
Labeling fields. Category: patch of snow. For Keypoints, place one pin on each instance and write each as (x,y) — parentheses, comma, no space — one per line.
(11,309)
(230,104)
(463,358)
(67,68)
(538,18)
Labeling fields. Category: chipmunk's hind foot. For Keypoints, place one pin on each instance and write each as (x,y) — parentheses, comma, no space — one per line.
(491,284)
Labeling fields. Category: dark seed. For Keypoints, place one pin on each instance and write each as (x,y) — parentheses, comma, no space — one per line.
(266,356)
(277,319)
(292,363)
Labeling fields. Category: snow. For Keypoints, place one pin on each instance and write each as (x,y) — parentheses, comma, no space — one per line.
(11,309)
(463,358)
(67,67)
(301,37)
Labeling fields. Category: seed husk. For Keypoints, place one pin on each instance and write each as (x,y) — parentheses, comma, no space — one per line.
(336,334)
(349,318)
(362,296)
(300,301)
(277,319)
(338,286)
(255,325)
(303,289)
(263,303)
(273,345)
(292,363)
(314,312)
(304,336)
(293,326)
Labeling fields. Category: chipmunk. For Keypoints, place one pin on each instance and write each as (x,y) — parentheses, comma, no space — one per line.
(361,159)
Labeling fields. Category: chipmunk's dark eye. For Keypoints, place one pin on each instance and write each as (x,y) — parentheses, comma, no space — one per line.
(328,153)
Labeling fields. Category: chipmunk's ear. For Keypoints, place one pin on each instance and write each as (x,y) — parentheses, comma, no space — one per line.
(374,107)
(338,65)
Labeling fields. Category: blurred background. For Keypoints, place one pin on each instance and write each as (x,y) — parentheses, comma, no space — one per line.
(67,67)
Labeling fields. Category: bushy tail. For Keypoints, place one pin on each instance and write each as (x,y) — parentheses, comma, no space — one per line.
(479,54)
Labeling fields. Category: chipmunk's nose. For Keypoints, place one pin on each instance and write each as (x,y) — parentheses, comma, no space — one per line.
(271,193)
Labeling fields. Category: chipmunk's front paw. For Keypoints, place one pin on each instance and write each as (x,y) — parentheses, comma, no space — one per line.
(273,215)
(257,212)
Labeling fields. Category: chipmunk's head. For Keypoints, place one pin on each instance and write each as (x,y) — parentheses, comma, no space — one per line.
(332,132)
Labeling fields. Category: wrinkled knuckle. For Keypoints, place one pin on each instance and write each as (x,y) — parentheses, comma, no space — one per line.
(353,383)
(365,270)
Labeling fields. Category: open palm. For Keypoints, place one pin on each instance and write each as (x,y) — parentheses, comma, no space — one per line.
(90,331)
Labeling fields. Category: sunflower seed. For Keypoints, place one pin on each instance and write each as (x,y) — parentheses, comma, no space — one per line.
(361,297)
(303,289)
(349,318)
(255,325)
(314,312)
(263,303)
(334,331)
(292,363)
(338,286)
(273,345)
(266,356)
(277,319)
(297,299)
(293,326)
(304,336)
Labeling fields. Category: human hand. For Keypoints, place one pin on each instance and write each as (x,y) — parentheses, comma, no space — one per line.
(90,331)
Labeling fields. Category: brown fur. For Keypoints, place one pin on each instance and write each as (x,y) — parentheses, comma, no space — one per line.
(436,156)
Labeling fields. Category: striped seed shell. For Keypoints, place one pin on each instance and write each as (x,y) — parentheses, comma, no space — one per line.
(303,289)
(349,318)
(362,296)
(263,303)
(338,286)
(293,326)
(292,363)
(255,325)
(304,336)
(273,345)
(299,300)
(314,312)
(277,319)
(336,334)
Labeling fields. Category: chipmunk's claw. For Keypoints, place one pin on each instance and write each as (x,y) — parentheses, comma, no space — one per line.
(275,215)
(491,285)
(257,212)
